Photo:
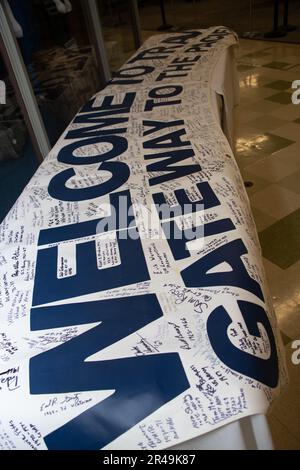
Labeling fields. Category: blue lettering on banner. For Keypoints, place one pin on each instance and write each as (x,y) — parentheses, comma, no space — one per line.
(180,64)
(133,380)
(208,41)
(170,74)
(90,114)
(196,274)
(119,145)
(173,140)
(167,164)
(58,190)
(178,238)
(185,60)
(88,278)
(100,128)
(154,53)
(185,205)
(108,107)
(114,315)
(127,76)
(260,369)
(182,38)
(156,126)
(120,172)
(163,93)
(91,227)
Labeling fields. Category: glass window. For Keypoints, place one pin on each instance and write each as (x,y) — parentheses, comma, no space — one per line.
(18,160)
(60,59)
(117,31)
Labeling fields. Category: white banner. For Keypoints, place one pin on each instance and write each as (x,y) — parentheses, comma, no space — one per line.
(134,312)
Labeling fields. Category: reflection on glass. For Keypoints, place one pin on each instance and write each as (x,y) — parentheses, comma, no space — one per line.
(18,161)
(117,31)
(59,58)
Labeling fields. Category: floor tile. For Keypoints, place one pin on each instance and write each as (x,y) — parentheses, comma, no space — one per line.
(244,67)
(296,68)
(261,219)
(279,85)
(285,339)
(257,182)
(289,75)
(247,157)
(273,168)
(251,145)
(275,74)
(266,122)
(256,61)
(293,59)
(263,106)
(273,143)
(285,233)
(277,65)
(290,130)
(289,153)
(242,118)
(282,98)
(262,53)
(285,292)
(253,80)
(292,181)
(287,415)
(288,310)
(258,145)
(245,131)
(276,201)
(255,93)
(288,112)
(273,273)
(282,438)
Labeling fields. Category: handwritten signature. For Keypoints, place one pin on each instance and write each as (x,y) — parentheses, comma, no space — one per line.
(10,379)
(185,295)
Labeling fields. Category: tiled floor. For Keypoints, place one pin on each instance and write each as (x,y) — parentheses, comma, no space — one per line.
(268,154)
